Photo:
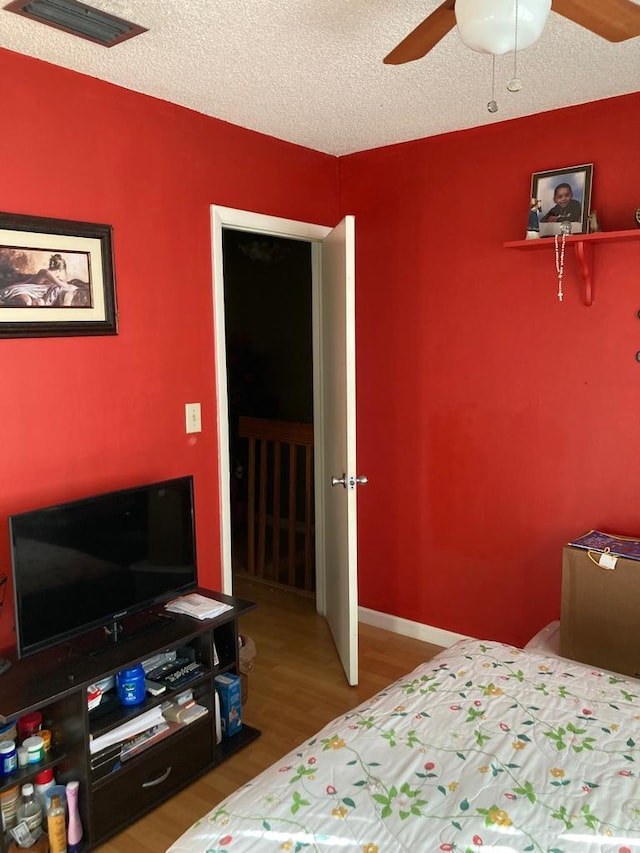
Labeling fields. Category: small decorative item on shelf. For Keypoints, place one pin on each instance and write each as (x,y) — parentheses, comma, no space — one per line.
(638,216)
(593,222)
(533,225)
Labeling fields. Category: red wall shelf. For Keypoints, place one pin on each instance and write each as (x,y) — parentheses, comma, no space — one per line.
(583,245)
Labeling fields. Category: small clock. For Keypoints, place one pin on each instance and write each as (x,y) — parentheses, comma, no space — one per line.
(638,216)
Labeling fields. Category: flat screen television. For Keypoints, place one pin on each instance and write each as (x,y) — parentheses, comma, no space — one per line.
(94,563)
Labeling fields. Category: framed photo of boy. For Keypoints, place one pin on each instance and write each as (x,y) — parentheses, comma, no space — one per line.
(56,278)
(565,197)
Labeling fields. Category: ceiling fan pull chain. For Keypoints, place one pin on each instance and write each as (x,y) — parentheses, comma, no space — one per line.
(492,106)
(515,84)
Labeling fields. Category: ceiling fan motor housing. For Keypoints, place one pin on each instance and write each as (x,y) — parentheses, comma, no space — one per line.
(489,26)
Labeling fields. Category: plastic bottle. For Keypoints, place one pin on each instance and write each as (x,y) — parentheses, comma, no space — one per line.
(56,826)
(42,782)
(74,829)
(29,809)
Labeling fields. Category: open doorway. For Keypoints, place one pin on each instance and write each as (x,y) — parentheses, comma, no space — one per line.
(334,422)
(269,364)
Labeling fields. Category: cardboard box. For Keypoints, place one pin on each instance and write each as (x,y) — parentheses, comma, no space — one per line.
(600,615)
(229,691)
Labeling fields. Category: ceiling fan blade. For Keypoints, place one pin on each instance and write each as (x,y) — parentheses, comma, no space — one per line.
(425,36)
(613,20)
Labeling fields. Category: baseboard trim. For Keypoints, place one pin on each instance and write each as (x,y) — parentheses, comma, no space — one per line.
(417,630)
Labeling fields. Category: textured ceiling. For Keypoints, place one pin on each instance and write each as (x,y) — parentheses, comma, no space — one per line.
(311,71)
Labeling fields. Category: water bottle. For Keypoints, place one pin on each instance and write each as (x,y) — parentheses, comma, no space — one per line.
(29,809)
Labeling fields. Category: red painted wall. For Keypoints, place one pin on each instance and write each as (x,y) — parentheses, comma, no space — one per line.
(495,423)
(84,415)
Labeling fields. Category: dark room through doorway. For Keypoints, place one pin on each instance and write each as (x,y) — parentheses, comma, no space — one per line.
(269,359)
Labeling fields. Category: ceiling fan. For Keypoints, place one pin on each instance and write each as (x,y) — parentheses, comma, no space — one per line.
(613,20)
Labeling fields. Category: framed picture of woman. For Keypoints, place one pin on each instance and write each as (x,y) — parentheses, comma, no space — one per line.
(56,278)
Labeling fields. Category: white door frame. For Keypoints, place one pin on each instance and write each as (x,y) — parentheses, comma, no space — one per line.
(243,220)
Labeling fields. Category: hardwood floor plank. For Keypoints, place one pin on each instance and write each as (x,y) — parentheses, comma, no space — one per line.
(296,686)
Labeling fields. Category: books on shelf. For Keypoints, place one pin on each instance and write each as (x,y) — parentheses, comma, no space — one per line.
(198,606)
(621,546)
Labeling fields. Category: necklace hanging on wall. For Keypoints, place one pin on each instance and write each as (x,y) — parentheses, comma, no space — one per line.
(565,228)
(560,263)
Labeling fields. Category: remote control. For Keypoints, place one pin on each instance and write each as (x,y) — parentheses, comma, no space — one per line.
(184,673)
(161,671)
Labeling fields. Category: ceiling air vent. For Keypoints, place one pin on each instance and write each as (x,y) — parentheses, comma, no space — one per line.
(78,19)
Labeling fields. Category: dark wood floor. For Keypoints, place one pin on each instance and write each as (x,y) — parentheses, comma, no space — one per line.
(296,686)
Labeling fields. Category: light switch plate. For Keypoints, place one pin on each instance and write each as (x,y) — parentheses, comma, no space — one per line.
(193,417)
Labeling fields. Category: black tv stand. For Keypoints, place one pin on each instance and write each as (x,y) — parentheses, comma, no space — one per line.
(112,794)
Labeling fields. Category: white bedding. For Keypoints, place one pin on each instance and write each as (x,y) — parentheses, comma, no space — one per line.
(483,747)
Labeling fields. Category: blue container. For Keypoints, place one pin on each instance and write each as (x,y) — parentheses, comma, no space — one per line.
(130,685)
(8,757)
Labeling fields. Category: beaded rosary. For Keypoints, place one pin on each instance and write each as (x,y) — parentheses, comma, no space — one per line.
(565,228)
(560,262)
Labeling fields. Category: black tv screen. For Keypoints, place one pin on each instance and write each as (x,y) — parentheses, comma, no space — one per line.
(89,563)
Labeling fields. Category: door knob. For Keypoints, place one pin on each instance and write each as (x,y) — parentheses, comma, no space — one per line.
(349,482)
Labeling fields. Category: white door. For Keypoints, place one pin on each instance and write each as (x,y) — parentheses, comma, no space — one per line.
(336,420)
(333,284)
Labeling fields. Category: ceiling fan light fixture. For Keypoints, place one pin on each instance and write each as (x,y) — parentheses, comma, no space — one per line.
(489,26)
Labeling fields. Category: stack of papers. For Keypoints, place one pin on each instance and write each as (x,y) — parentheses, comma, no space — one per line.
(133,727)
(198,606)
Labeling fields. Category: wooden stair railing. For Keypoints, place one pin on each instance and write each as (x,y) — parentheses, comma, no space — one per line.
(277,451)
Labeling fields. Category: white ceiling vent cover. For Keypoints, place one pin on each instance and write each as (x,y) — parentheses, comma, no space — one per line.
(78,19)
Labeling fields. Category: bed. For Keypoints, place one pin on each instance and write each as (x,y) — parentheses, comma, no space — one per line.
(486,746)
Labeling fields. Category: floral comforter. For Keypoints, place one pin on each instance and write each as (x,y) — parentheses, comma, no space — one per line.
(484,747)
